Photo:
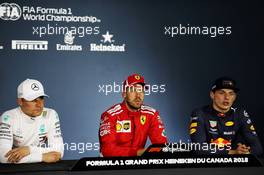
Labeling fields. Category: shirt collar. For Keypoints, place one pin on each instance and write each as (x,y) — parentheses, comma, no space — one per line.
(28,118)
(220,114)
(124,107)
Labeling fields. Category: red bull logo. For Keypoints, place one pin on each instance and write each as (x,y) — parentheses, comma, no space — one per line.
(220,142)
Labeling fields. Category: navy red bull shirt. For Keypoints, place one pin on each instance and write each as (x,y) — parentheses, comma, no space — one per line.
(223,129)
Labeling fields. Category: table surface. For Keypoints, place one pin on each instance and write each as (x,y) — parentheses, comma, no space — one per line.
(64,166)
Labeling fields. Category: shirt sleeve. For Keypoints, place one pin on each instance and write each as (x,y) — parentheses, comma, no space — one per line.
(249,133)
(6,136)
(55,142)
(157,133)
(6,141)
(107,138)
(54,136)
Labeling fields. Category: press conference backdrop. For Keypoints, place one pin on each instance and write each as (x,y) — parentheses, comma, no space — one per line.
(82,50)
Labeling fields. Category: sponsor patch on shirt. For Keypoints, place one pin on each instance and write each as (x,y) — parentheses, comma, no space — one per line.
(143,119)
(252,128)
(248,121)
(42,128)
(194,118)
(229,132)
(123,126)
(103,120)
(192,131)
(193,125)
(229,123)
(163,133)
(213,129)
(212,123)
(5,118)
(221,142)
(159,119)
(104,132)
(213,132)
(44,113)
(245,113)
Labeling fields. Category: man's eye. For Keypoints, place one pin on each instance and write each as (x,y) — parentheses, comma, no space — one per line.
(131,89)
(138,89)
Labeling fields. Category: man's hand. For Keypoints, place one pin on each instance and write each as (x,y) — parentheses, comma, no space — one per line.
(16,154)
(141,151)
(51,157)
(241,149)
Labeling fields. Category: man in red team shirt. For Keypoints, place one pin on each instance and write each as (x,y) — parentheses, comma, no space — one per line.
(124,127)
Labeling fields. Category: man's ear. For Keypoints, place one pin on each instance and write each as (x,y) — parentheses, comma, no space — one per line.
(124,94)
(212,95)
(235,96)
(19,102)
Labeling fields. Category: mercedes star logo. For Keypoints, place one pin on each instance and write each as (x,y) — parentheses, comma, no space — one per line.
(34,87)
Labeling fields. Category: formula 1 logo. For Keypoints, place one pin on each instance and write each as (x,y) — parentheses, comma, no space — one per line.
(10,11)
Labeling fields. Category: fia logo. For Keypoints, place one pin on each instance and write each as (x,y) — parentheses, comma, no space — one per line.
(10,11)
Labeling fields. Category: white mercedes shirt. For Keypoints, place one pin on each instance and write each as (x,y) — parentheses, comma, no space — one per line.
(42,134)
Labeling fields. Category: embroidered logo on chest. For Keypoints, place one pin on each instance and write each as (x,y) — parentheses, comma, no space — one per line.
(123,126)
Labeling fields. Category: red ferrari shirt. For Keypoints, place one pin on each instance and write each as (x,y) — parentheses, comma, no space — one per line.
(123,133)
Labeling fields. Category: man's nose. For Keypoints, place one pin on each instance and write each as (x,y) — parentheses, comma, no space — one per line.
(227,96)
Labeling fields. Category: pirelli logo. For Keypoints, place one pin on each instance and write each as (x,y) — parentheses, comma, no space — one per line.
(29,45)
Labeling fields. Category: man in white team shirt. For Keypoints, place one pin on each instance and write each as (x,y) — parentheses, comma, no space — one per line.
(30,133)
